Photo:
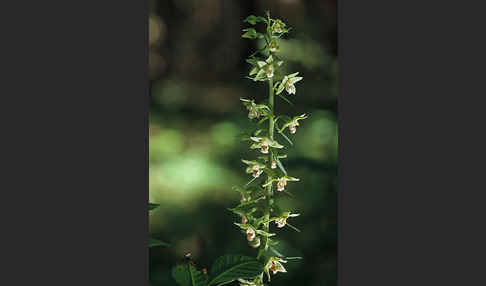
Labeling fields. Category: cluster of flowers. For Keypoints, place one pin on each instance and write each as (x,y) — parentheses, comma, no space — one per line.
(257,208)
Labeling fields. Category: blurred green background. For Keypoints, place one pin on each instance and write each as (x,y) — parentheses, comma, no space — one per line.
(196,69)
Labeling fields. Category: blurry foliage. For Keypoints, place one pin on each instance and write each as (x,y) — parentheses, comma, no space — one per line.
(196,66)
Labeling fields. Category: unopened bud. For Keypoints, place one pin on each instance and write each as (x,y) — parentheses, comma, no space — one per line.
(274,164)
(280,222)
(281,184)
(255,243)
(250,234)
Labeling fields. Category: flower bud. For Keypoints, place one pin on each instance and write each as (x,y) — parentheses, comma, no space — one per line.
(280,222)
(244,220)
(250,234)
(292,128)
(282,182)
(255,243)
(274,164)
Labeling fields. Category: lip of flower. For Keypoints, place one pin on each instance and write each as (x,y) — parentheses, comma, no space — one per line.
(292,128)
(274,164)
(282,182)
(273,47)
(264,148)
(256,244)
(274,268)
(256,171)
(290,87)
(270,71)
(281,222)
(253,114)
(250,234)
(277,28)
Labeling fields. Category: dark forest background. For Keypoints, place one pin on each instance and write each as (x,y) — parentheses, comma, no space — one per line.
(196,69)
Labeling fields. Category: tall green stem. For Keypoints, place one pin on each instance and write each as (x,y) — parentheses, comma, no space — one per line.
(271,127)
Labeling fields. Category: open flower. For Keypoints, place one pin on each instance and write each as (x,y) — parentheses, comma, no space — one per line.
(265,69)
(288,82)
(263,143)
(273,46)
(254,110)
(278,27)
(274,164)
(254,167)
(292,124)
(274,264)
(281,182)
(282,220)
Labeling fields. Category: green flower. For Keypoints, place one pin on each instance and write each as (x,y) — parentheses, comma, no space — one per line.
(281,182)
(278,26)
(288,82)
(282,220)
(264,69)
(274,264)
(254,110)
(263,143)
(273,47)
(254,168)
(255,243)
(292,124)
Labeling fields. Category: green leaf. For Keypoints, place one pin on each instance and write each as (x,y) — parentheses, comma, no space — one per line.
(155,242)
(153,206)
(252,19)
(286,138)
(292,227)
(187,275)
(279,164)
(284,98)
(229,267)
(251,33)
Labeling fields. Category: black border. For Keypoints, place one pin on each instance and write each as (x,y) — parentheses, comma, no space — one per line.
(409,213)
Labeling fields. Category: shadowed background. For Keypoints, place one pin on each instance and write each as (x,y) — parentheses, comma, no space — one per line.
(196,69)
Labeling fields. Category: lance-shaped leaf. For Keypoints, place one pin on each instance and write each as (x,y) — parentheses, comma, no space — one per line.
(155,242)
(279,164)
(152,206)
(229,267)
(188,275)
(264,233)
(251,33)
(252,19)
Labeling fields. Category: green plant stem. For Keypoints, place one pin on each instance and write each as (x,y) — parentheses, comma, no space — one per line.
(271,128)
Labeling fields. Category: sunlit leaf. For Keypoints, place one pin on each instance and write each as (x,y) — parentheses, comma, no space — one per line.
(155,242)
(188,275)
(153,206)
(229,267)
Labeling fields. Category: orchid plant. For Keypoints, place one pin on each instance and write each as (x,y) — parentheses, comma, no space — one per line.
(258,207)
